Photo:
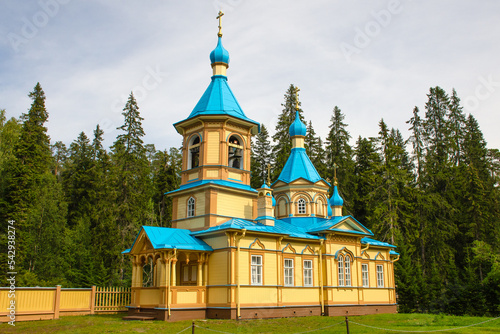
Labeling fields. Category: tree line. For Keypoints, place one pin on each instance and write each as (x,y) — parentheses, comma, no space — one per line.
(435,195)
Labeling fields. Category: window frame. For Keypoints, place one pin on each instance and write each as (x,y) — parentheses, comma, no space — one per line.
(288,272)
(347,270)
(340,270)
(190,150)
(365,276)
(259,272)
(380,276)
(301,206)
(191,207)
(308,273)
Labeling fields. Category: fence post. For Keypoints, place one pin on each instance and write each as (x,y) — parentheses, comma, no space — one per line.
(347,324)
(192,328)
(92,300)
(57,301)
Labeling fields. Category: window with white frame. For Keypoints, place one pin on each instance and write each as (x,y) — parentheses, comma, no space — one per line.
(380,276)
(347,270)
(364,275)
(301,206)
(288,272)
(256,270)
(190,207)
(308,273)
(341,269)
(194,152)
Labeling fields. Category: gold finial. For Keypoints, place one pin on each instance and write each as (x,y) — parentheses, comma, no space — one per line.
(268,175)
(297,90)
(220,22)
(328,180)
(335,166)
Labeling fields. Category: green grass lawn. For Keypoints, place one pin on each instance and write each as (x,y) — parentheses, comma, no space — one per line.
(392,322)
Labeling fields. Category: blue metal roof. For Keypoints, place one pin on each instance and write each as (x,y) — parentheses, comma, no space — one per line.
(297,128)
(327,225)
(218,99)
(170,238)
(299,166)
(374,242)
(223,183)
(280,227)
(219,54)
(393,252)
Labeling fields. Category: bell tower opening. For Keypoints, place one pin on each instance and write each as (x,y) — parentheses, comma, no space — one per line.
(235,152)
(194,152)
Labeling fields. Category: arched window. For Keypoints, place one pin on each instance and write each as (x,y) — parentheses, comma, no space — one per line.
(148,273)
(282,211)
(190,207)
(301,206)
(235,153)
(194,152)
(347,270)
(341,269)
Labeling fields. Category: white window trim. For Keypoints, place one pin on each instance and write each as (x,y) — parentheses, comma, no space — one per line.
(365,275)
(191,204)
(257,267)
(308,273)
(347,268)
(380,276)
(340,267)
(288,275)
(301,206)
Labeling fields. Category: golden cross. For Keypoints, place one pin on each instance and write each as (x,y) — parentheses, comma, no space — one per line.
(297,90)
(220,22)
(268,175)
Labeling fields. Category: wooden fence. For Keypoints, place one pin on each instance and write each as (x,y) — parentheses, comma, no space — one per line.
(21,304)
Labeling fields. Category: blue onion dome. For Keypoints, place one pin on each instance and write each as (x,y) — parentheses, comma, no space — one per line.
(219,54)
(264,185)
(330,212)
(297,128)
(336,200)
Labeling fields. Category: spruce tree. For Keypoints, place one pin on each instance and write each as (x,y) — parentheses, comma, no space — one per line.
(131,173)
(261,158)
(339,153)
(282,142)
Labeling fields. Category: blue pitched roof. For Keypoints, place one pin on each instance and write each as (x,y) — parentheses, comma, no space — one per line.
(327,225)
(280,227)
(170,238)
(374,242)
(218,99)
(223,183)
(299,166)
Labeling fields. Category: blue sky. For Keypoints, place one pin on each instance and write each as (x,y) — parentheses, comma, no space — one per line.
(373,59)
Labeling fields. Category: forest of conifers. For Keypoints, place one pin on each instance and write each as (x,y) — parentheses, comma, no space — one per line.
(435,195)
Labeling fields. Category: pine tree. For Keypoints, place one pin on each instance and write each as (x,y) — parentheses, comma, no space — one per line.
(416,139)
(261,158)
(456,121)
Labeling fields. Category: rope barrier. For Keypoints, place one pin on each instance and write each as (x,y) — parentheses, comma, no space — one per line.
(319,329)
(411,331)
(185,329)
(212,330)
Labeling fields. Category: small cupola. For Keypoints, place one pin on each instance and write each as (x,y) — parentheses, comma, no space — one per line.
(336,202)
(297,132)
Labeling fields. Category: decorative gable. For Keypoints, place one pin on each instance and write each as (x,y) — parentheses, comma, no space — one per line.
(350,225)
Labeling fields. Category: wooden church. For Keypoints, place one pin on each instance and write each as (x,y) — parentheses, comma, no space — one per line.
(235,252)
